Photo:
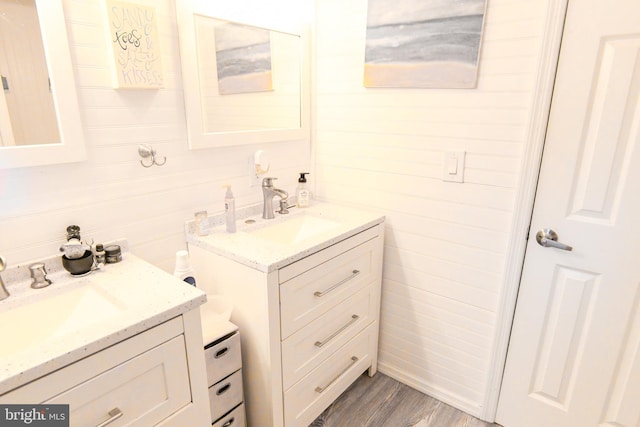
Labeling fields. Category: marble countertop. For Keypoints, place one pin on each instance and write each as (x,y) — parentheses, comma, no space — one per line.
(267,255)
(139,295)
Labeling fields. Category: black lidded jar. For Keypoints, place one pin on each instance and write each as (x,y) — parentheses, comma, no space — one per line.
(113,254)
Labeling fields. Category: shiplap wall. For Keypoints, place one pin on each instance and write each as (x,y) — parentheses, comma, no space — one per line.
(376,148)
(111,195)
(446,243)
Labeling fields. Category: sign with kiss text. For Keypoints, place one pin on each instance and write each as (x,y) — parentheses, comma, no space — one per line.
(133,35)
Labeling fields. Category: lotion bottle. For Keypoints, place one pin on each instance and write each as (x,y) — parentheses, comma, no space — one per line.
(183,270)
(302,192)
(230,210)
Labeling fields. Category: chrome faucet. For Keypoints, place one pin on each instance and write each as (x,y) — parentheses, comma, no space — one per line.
(4,293)
(269,191)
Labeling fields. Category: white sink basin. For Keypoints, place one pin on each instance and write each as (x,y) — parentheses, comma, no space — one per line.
(295,229)
(55,317)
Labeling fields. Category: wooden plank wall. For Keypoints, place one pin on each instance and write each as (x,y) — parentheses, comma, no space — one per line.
(111,195)
(446,243)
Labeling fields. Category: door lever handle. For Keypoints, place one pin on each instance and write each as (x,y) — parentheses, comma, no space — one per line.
(549,239)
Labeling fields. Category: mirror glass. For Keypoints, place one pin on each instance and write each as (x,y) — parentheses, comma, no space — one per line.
(26,91)
(36,126)
(249,76)
(243,82)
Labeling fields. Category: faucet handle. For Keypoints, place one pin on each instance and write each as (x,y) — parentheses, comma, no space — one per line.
(3,290)
(268,182)
(39,275)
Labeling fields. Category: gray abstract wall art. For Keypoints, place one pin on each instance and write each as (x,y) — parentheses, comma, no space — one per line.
(423,43)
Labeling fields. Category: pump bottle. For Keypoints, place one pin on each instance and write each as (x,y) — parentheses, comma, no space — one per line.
(302,192)
(230,210)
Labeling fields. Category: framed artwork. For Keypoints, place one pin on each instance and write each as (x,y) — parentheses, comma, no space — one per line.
(133,34)
(423,43)
(243,58)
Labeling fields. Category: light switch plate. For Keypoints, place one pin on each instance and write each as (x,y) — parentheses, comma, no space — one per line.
(453,166)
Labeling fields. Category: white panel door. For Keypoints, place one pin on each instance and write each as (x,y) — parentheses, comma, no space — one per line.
(573,358)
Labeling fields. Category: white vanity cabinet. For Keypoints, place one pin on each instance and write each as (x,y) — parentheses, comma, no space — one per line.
(148,379)
(120,346)
(309,323)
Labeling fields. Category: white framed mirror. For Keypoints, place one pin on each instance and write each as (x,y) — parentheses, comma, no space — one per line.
(37,72)
(244,81)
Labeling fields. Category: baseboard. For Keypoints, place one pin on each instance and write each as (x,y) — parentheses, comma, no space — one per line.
(471,408)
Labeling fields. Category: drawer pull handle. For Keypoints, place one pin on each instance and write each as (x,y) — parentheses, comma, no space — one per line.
(354,273)
(349,323)
(221,353)
(114,414)
(223,389)
(228,423)
(354,360)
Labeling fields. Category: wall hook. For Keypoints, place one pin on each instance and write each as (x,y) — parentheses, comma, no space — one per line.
(146,151)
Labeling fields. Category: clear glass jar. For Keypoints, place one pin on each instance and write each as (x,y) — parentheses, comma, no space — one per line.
(202,225)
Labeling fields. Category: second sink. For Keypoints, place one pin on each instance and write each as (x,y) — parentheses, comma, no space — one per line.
(294,229)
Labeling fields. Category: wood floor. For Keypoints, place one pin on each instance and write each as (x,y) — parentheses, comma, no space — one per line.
(384,402)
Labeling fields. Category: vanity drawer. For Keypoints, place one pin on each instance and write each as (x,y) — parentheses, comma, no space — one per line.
(308,347)
(222,358)
(145,390)
(315,392)
(235,418)
(225,395)
(314,292)
(295,269)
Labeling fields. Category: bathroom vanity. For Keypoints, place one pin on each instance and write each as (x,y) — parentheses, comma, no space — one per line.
(123,343)
(306,293)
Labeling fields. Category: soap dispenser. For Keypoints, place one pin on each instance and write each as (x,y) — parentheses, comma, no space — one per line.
(230,210)
(302,193)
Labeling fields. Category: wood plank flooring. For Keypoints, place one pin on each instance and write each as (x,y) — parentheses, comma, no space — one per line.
(384,402)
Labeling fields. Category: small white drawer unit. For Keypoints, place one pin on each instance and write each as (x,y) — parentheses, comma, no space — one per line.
(224,376)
